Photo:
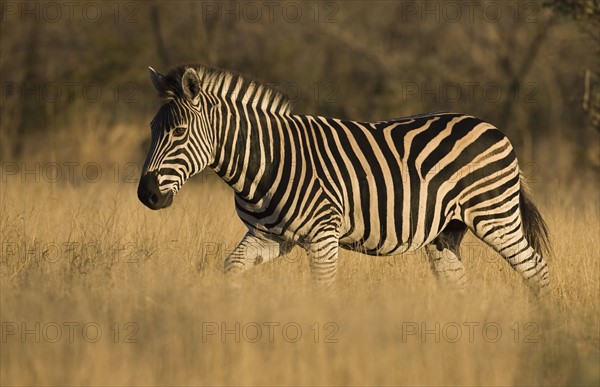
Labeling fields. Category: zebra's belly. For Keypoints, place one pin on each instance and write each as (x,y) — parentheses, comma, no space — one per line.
(383,248)
(391,241)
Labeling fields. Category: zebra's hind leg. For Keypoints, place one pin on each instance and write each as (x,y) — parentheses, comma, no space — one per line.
(511,243)
(253,250)
(520,235)
(444,256)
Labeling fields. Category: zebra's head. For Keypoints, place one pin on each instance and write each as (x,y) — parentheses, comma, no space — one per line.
(182,142)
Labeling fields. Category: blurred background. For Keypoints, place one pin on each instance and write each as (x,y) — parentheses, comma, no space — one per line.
(74,79)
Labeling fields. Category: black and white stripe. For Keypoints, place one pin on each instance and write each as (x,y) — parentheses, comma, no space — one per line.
(322,183)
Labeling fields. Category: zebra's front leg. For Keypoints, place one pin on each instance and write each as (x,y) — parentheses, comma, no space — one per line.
(253,250)
(323,258)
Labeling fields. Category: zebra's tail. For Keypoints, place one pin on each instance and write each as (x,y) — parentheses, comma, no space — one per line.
(534,226)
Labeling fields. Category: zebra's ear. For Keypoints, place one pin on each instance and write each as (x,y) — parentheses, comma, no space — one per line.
(158,80)
(190,83)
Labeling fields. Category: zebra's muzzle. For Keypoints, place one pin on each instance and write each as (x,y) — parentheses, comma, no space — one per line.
(150,195)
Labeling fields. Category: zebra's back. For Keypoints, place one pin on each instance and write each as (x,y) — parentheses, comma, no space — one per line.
(399,182)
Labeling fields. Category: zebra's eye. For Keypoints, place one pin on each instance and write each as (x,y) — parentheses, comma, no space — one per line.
(180,130)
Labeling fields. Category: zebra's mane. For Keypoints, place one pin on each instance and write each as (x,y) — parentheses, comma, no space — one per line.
(228,84)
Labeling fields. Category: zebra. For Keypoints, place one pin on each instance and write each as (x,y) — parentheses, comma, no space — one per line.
(381,188)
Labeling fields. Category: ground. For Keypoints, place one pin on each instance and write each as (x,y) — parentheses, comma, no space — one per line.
(97,289)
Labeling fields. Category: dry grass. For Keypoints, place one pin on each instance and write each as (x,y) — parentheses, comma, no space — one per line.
(91,253)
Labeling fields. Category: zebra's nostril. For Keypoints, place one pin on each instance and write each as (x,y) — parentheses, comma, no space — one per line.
(154,199)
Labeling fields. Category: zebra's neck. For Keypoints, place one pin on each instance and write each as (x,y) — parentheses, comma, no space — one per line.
(255,148)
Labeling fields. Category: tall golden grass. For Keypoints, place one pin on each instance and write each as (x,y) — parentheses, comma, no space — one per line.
(97,289)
